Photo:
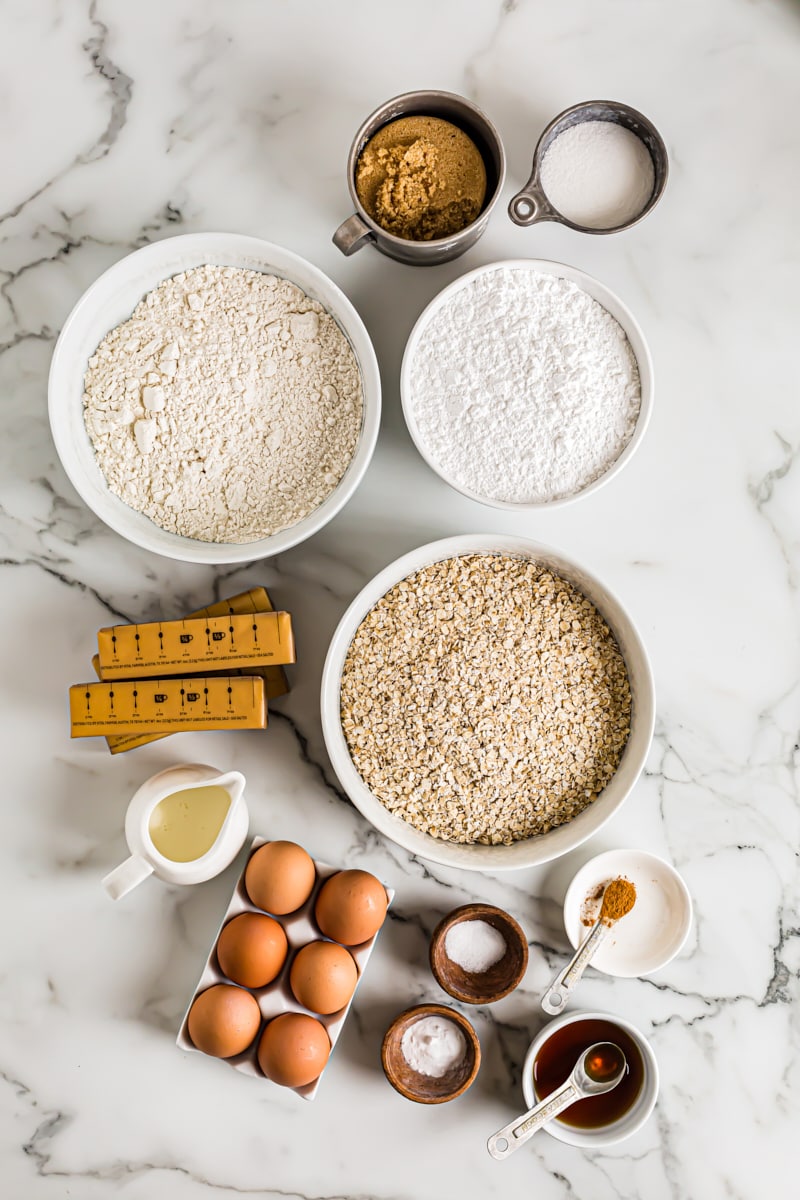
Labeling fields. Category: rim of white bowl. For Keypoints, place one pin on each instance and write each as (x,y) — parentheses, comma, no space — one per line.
(530,851)
(629,1123)
(599,292)
(624,857)
(102,307)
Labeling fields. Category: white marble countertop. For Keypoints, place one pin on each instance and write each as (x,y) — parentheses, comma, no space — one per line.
(123,124)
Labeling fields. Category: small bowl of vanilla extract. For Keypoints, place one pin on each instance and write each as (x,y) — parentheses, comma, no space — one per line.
(598,1120)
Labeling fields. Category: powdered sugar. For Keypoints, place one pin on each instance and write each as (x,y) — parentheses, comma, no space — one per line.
(227,408)
(522,387)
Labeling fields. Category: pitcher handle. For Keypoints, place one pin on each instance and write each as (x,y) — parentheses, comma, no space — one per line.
(352,234)
(126,876)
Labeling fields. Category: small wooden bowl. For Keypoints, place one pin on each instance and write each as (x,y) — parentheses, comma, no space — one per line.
(429,1089)
(501,978)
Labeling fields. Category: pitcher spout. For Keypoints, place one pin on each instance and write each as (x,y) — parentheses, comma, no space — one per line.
(234,783)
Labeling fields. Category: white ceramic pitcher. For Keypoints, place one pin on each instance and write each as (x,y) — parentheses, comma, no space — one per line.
(146,860)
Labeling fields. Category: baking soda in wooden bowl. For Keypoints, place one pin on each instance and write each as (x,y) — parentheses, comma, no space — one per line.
(526,383)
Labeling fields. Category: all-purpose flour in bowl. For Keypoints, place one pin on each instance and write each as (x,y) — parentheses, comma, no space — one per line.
(519,387)
(227,407)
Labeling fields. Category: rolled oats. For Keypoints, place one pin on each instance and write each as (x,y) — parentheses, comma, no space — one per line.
(485,699)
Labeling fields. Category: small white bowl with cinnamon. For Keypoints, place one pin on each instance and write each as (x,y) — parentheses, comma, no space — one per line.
(655,928)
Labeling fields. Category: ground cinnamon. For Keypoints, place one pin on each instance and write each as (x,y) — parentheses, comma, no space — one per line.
(618,900)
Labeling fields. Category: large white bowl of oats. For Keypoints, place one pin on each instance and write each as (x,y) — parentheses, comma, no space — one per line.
(487,703)
(214,398)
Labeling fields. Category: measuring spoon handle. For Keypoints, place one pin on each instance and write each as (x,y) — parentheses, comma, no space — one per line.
(555,999)
(517,1132)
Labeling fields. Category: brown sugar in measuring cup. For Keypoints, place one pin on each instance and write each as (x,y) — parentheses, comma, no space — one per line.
(361,229)
(421,178)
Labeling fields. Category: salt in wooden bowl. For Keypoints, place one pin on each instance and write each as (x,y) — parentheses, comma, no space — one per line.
(486,986)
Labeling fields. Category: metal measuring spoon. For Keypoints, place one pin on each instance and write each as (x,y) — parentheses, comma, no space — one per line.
(598,1070)
(560,990)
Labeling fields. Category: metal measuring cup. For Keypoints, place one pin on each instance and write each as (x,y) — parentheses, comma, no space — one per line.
(360,230)
(531,204)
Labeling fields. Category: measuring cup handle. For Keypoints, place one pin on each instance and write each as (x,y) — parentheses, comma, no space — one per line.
(126,876)
(352,234)
(530,205)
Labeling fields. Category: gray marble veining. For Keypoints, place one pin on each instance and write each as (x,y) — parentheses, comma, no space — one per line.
(124,124)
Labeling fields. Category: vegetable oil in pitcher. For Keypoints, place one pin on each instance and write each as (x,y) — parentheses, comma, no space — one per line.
(186,824)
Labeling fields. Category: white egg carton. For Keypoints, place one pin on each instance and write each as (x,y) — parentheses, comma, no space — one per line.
(277,997)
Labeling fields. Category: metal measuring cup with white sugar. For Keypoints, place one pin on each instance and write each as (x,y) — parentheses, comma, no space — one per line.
(613,172)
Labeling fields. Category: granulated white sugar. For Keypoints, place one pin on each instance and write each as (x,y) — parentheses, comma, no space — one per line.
(228,407)
(598,174)
(474,945)
(522,387)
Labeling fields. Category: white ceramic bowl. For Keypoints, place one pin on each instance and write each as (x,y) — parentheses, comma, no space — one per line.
(110,300)
(633,1119)
(534,850)
(655,929)
(598,291)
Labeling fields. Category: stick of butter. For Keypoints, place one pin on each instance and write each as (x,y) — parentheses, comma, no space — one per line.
(167,705)
(195,644)
(276,684)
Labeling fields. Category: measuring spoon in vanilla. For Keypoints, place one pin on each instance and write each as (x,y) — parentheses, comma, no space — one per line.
(598,1070)
(615,897)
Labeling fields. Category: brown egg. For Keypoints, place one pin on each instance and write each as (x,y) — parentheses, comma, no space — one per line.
(252,949)
(351,907)
(279,877)
(294,1049)
(224,1020)
(323,977)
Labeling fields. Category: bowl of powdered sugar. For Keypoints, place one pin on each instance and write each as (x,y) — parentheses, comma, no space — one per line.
(214,398)
(526,384)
